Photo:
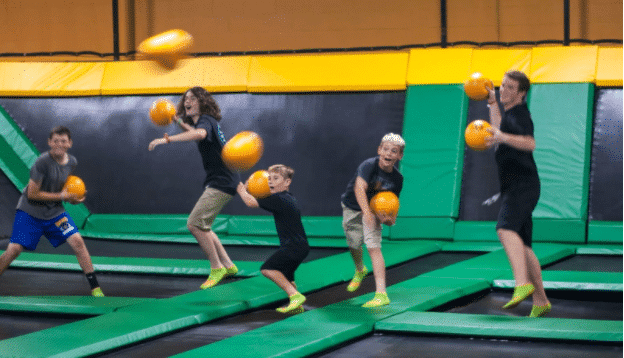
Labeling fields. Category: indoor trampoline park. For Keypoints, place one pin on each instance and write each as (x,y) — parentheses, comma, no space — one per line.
(322,113)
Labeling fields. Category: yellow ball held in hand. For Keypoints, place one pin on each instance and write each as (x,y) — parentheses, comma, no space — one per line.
(162,112)
(476,87)
(476,133)
(243,151)
(75,185)
(258,184)
(385,202)
(166,48)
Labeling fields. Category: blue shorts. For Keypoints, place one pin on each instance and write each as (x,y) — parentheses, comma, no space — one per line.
(27,230)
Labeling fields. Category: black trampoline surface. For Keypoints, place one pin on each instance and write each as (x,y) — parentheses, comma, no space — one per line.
(403,346)
(565,304)
(215,331)
(591,263)
(144,249)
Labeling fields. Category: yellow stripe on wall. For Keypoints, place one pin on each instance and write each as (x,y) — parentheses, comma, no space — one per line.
(438,66)
(328,72)
(493,64)
(564,64)
(609,71)
(50,78)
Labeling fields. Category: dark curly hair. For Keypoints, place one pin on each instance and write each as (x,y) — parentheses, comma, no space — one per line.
(207,104)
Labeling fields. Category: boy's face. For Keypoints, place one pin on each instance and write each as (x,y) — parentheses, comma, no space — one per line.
(59,144)
(191,104)
(277,183)
(509,92)
(389,154)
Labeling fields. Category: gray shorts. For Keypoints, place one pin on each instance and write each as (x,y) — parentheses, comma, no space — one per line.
(207,208)
(356,233)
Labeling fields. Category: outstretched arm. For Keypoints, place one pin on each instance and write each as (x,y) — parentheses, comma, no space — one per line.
(190,135)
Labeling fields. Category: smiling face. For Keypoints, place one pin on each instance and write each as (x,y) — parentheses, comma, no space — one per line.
(59,145)
(510,95)
(277,183)
(389,153)
(191,105)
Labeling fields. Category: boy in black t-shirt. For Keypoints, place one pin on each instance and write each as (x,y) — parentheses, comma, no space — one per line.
(280,267)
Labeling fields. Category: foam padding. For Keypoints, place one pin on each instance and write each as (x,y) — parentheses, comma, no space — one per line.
(38,79)
(493,64)
(564,64)
(604,232)
(82,305)
(438,66)
(215,74)
(471,246)
(597,249)
(435,117)
(322,328)
(473,325)
(573,280)
(328,72)
(609,71)
(147,224)
(408,228)
(475,231)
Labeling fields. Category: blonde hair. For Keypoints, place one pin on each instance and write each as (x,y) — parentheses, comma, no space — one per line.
(394,139)
(283,170)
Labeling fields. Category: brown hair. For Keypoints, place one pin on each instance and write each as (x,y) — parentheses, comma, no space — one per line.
(60,130)
(283,170)
(523,81)
(207,104)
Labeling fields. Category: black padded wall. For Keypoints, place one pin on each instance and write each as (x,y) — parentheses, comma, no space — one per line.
(9,196)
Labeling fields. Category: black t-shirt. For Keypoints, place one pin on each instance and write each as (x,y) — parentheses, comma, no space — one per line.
(218,176)
(516,166)
(377,180)
(285,210)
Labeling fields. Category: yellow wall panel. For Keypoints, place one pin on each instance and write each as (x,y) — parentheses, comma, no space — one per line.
(332,72)
(609,72)
(493,64)
(438,66)
(564,64)
(50,78)
(215,74)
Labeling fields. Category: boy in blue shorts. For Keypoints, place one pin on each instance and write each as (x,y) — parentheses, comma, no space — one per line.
(280,267)
(40,208)
(360,224)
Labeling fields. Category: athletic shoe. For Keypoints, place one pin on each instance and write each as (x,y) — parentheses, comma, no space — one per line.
(520,294)
(296,301)
(216,275)
(97,292)
(380,299)
(540,311)
(357,280)
(231,271)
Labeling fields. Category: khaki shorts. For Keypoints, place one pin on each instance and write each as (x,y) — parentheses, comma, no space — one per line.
(355,232)
(207,208)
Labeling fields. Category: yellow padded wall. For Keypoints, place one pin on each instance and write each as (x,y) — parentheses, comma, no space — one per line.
(216,74)
(328,72)
(50,78)
(493,64)
(438,66)
(609,71)
(564,64)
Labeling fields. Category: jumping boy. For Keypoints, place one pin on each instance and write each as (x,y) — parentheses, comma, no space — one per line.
(280,267)
(40,209)
(360,224)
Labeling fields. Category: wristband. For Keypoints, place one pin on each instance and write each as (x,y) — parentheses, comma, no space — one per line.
(167,140)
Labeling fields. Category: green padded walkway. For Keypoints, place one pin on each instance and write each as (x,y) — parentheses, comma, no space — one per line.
(503,326)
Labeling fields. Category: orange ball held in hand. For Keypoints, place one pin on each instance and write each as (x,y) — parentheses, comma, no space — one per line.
(258,184)
(385,202)
(162,112)
(243,151)
(476,87)
(476,133)
(75,185)
(166,48)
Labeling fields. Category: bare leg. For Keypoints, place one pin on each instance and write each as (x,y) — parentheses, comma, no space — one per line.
(514,247)
(535,274)
(82,254)
(223,256)
(281,281)
(11,253)
(207,245)
(356,254)
(379,269)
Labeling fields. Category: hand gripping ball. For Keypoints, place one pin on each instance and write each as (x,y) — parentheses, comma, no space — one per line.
(75,185)
(258,184)
(166,48)
(162,111)
(243,151)
(476,87)
(475,134)
(385,202)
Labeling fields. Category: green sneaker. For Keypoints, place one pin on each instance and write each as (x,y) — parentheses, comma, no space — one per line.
(520,294)
(540,311)
(97,292)
(357,280)
(231,271)
(297,310)
(216,275)
(380,299)
(296,301)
